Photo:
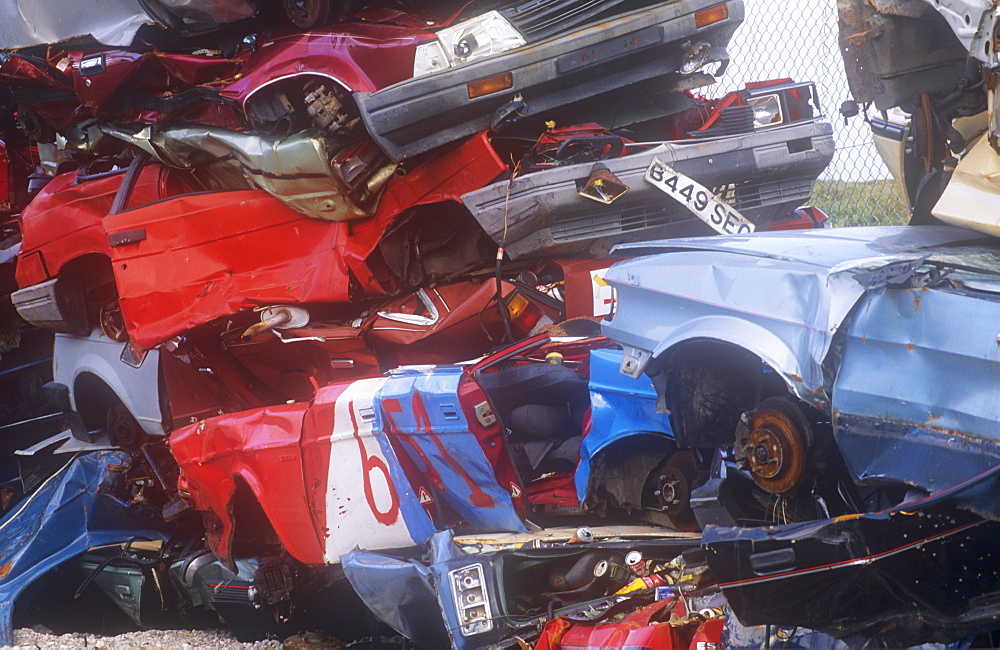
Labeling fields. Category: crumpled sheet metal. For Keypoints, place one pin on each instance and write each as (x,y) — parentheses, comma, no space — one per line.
(348,487)
(421,411)
(619,407)
(527,212)
(779,295)
(72,511)
(361,495)
(904,576)
(211,254)
(295,169)
(338,488)
(427,593)
(895,418)
(894,50)
(400,593)
(778,310)
(24,23)
(974,184)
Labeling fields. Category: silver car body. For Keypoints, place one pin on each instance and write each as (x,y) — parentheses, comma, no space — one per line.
(99,357)
(892,332)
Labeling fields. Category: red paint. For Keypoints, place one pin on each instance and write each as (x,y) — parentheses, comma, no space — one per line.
(466,321)
(578,276)
(460,169)
(369,464)
(803,218)
(97,90)
(317,428)
(360,56)
(213,254)
(390,406)
(249,446)
(477,497)
(210,255)
(64,221)
(556,491)
(644,627)
(708,635)
(492,442)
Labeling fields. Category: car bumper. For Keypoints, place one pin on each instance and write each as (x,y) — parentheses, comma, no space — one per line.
(44,305)
(406,119)
(762,175)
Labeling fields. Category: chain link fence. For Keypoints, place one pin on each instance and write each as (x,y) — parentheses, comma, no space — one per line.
(798,39)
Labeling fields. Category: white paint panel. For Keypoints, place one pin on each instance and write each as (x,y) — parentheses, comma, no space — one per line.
(362,505)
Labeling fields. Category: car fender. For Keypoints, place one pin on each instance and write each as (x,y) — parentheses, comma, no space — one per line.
(98,355)
(801,369)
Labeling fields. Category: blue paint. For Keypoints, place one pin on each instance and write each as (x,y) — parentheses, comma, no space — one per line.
(74,510)
(620,407)
(441,445)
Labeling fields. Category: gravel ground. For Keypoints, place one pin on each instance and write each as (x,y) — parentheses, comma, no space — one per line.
(145,640)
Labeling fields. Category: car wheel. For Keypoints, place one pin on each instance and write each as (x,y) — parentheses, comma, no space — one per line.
(668,488)
(307,14)
(772,442)
(123,430)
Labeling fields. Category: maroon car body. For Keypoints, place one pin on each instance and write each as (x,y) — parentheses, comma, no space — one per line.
(364,71)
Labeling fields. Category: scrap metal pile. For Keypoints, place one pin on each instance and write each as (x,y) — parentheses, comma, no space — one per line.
(301,328)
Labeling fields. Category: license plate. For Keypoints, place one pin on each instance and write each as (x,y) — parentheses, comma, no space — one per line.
(696,198)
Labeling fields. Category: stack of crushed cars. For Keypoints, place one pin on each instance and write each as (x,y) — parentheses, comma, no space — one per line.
(246,246)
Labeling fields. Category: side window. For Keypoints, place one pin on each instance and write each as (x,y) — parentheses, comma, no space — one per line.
(158,182)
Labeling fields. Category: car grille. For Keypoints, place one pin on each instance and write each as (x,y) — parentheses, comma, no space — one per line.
(758,200)
(594,225)
(538,20)
(733,120)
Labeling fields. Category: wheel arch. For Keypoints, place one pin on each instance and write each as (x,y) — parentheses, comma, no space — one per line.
(90,366)
(802,375)
(706,384)
(618,469)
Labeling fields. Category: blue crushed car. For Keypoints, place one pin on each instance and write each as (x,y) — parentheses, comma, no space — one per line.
(848,381)
(880,340)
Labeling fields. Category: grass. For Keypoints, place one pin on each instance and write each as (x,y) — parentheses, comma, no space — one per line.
(872,203)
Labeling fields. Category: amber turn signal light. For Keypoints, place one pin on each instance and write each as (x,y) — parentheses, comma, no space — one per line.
(491,85)
(710,16)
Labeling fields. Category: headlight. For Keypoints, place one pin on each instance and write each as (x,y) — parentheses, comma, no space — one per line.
(476,38)
(766,111)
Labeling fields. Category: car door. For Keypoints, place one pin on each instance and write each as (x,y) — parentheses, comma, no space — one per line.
(917,396)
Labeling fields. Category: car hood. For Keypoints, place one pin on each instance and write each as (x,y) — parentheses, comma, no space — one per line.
(799,285)
(24,23)
(830,248)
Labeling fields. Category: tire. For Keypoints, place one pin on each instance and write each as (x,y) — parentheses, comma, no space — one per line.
(123,429)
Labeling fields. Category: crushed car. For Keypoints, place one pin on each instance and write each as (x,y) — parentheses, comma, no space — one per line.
(929,71)
(537,430)
(846,379)
(560,588)
(84,504)
(129,228)
(361,259)
(344,105)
